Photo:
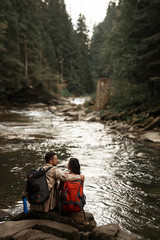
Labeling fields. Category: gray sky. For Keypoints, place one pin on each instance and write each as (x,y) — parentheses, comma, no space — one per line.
(93,10)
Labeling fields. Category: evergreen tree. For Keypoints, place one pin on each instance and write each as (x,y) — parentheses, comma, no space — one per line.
(85,73)
(40,50)
(10,64)
(148,47)
(128,47)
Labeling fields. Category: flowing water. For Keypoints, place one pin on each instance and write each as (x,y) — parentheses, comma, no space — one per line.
(122,177)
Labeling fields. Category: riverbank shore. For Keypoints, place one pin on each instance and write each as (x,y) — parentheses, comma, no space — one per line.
(139,123)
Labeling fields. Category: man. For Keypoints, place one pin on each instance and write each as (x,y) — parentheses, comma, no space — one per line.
(52,176)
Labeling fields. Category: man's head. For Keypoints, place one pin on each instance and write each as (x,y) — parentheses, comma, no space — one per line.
(51,157)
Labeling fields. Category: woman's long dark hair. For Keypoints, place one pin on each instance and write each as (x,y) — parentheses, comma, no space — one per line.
(74,165)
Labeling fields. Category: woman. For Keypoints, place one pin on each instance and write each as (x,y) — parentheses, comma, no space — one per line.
(72,197)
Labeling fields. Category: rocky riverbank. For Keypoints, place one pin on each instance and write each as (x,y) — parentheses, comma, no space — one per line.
(140,123)
(53,226)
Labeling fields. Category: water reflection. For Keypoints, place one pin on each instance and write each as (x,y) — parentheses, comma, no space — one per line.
(122,177)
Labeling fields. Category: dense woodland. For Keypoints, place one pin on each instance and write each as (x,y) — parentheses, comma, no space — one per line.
(43,56)
(126,48)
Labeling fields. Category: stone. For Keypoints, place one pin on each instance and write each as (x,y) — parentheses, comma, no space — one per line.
(10,228)
(111,232)
(151,136)
(90,117)
(86,236)
(72,116)
(37,105)
(4,215)
(131,129)
(53,229)
(147,121)
(13,228)
(153,124)
(30,234)
(134,120)
(58,229)
(125,236)
(106,232)
(55,216)
(52,109)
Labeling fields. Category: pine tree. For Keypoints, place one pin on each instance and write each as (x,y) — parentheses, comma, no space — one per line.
(85,73)
(10,68)
(40,49)
(128,48)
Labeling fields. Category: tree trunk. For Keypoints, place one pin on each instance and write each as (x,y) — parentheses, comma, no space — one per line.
(26,58)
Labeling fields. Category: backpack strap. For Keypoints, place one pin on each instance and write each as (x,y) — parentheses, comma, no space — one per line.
(46,170)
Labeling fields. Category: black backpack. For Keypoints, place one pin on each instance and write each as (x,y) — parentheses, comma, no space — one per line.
(37,187)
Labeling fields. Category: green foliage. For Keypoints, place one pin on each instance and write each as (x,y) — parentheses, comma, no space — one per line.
(65,93)
(127,50)
(86,72)
(125,95)
(39,49)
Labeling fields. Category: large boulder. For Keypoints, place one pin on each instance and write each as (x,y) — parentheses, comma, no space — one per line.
(59,217)
(111,232)
(19,230)
(55,226)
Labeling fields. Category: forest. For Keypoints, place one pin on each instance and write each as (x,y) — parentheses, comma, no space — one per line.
(42,56)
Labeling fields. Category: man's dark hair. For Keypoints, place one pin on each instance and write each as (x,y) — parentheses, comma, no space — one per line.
(49,155)
(74,165)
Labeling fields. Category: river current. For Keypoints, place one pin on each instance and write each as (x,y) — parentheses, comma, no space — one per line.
(122,182)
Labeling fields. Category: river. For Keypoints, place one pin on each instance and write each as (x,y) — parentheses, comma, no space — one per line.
(122,176)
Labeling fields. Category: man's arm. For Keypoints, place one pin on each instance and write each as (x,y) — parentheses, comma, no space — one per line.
(68,177)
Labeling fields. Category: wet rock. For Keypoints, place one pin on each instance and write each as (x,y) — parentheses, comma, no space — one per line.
(91,117)
(17,229)
(129,135)
(134,120)
(122,235)
(120,126)
(86,235)
(147,121)
(153,124)
(11,228)
(55,216)
(4,215)
(37,106)
(72,116)
(60,101)
(151,136)
(52,109)
(105,232)
(131,129)
(111,232)
(69,109)
(58,227)
(31,234)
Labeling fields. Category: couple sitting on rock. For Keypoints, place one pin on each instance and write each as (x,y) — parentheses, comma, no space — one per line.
(54,174)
